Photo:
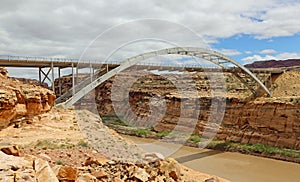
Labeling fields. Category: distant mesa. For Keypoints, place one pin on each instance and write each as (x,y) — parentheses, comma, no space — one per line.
(274,63)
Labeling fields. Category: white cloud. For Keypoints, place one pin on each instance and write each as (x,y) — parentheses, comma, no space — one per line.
(248,52)
(280,56)
(230,52)
(268,51)
(64,28)
(256,57)
(288,55)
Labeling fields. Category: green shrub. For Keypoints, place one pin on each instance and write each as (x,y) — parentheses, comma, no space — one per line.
(83,144)
(195,138)
(141,132)
(162,134)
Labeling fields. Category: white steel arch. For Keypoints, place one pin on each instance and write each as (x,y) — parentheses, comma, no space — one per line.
(206,54)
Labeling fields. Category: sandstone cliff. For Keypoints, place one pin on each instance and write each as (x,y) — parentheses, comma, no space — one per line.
(18,99)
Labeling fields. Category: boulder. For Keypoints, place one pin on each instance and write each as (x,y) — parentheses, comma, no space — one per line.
(3,72)
(10,150)
(25,169)
(67,174)
(170,168)
(43,171)
(99,174)
(141,175)
(94,160)
(86,177)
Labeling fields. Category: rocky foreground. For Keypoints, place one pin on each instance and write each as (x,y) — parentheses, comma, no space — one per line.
(41,143)
(68,157)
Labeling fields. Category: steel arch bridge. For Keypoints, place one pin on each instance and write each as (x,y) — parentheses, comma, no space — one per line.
(206,54)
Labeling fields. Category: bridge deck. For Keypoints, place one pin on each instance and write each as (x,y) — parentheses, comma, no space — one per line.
(44,62)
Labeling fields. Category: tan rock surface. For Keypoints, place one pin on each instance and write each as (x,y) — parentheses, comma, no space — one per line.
(25,169)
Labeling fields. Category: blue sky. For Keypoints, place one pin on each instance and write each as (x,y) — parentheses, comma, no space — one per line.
(246,46)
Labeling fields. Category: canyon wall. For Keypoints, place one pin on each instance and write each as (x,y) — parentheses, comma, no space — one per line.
(272,121)
(18,99)
(275,124)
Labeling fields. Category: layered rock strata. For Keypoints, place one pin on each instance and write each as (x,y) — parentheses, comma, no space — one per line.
(21,100)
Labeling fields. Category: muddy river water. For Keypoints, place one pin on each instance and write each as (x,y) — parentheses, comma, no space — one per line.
(235,167)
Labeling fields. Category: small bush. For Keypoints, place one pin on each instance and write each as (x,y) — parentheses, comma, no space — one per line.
(59,162)
(162,134)
(195,138)
(83,144)
(141,132)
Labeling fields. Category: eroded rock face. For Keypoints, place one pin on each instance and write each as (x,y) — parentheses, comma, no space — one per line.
(275,124)
(19,99)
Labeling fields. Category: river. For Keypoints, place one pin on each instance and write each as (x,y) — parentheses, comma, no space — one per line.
(235,167)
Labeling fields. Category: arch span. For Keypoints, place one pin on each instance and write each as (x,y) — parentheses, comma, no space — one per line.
(206,54)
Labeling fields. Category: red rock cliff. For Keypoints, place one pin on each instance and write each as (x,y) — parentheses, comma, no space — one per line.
(18,99)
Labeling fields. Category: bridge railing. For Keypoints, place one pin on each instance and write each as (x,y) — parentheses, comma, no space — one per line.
(99,62)
(31,58)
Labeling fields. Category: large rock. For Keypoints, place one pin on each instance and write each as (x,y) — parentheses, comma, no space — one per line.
(25,169)
(3,72)
(10,150)
(170,168)
(140,174)
(67,174)
(43,171)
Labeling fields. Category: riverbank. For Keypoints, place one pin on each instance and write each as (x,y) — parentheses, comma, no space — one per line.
(257,149)
(229,165)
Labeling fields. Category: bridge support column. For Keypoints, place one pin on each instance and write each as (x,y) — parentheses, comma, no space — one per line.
(52,82)
(76,78)
(40,76)
(73,80)
(91,72)
(59,81)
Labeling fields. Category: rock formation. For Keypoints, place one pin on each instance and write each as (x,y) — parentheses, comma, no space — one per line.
(19,100)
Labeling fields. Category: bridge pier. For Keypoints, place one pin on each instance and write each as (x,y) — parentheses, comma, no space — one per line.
(59,81)
(52,81)
(73,79)
(48,73)
(43,76)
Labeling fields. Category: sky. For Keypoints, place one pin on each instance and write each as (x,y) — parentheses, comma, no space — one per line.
(244,30)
